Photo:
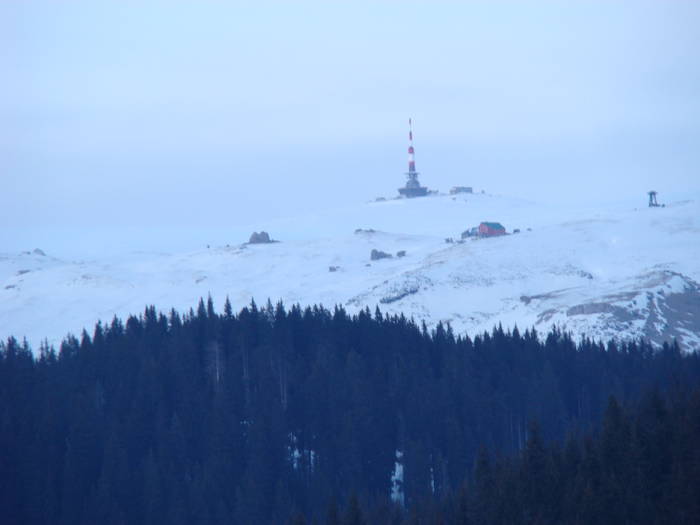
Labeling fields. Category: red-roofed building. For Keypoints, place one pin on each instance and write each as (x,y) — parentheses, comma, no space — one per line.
(491,229)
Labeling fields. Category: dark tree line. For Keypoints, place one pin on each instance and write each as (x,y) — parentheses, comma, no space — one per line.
(275,414)
(642,466)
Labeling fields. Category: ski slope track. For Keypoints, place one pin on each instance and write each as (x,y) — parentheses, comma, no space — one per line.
(617,271)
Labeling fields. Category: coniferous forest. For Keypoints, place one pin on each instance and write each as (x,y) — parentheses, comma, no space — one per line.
(308,415)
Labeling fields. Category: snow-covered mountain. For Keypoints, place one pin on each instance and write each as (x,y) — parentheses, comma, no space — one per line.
(613,271)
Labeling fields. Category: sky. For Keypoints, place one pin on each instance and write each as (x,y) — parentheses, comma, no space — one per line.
(167,125)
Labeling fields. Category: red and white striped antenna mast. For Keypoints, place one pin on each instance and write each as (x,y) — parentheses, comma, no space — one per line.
(413,187)
(411,151)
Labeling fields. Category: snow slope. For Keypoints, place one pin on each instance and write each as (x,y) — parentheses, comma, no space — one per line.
(612,271)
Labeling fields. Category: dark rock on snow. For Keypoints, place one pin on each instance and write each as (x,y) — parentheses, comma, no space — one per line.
(375,255)
(259,238)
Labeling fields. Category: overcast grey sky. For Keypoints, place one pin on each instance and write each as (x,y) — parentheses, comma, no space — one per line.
(174,119)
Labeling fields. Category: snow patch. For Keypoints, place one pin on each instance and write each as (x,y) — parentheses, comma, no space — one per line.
(605,272)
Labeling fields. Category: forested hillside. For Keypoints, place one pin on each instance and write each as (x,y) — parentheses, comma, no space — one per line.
(274,413)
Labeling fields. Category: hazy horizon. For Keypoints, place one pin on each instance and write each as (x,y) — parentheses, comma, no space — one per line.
(129,125)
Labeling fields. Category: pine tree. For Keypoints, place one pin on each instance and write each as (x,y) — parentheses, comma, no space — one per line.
(353,513)
(332,514)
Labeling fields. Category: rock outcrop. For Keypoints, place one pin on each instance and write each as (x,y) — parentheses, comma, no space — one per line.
(260,238)
(375,255)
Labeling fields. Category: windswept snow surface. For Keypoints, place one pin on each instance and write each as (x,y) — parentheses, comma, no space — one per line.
(610,271)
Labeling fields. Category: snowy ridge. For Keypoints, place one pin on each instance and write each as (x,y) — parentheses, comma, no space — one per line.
(616,271)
